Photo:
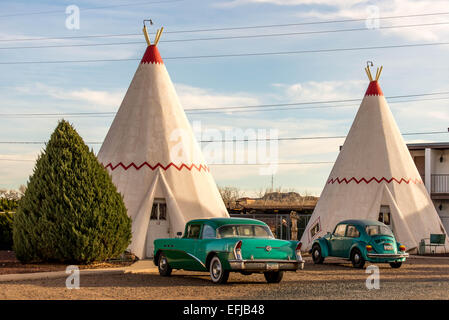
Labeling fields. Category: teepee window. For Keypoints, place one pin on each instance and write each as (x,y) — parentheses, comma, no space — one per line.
(154,212)
(315,229)
(385,215)
(159,210)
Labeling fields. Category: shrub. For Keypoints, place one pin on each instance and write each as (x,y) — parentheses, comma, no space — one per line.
(8,204)
(6,230)
(71,211)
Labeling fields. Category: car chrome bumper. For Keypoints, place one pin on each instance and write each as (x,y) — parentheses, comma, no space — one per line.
(266,265)
(387,255)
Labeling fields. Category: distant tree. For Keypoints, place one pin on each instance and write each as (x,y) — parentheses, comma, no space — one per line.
(229,195)
(22,189)
(6,219)
(71,211)
(14,195)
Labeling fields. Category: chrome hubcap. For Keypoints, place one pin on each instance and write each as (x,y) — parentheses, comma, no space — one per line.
(163,263)
(316,254)
(356,257)
(216,269)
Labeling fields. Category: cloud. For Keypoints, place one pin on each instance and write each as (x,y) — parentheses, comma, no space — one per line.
(199,98)
(98,98)
(316,90)
(15,169)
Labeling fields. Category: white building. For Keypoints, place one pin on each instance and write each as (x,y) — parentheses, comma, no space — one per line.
(432,161)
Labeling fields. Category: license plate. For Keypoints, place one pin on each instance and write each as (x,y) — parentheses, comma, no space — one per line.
(388,247)
(272,266)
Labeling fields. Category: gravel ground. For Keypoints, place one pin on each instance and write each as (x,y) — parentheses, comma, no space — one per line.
(10,265)
(423,278)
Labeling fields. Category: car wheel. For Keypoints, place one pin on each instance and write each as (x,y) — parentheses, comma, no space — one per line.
(217,273)
(163,266)
(357,259)
(316,254)
(395,265)
(274,277)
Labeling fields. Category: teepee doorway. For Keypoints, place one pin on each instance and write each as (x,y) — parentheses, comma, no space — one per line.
(385,216)
(158,226)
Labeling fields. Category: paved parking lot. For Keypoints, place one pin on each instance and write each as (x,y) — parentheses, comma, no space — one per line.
(418,278)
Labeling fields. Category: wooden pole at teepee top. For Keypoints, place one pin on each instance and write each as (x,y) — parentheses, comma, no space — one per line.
(145,33)
(368,73)
(379,71)
(158,36)
(156,39)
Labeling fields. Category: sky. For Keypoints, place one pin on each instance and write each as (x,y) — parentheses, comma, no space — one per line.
(29,86)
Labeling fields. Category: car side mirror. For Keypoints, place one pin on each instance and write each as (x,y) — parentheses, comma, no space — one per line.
(179,234)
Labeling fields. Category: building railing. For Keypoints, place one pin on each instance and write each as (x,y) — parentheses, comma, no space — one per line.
(440,183)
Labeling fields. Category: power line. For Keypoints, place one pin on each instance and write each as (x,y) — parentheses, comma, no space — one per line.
(233,55)
(221,38)
(248,139)
(226,109)
(305,108)
(90,8)
(226,28)
(319,102)
(219,110)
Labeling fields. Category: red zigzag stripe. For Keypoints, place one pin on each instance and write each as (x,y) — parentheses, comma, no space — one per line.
(158,165)
(345,180)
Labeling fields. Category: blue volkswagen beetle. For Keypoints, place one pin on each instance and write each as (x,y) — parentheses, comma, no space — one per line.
(360,241)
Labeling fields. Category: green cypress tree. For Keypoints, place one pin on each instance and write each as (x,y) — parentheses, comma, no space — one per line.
(71,211)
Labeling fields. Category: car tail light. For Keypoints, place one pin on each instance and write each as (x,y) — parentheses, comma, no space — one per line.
(298,251)
(238,250)
(402,248)
(369,248)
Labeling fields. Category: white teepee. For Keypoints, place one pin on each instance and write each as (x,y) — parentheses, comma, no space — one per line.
(375,178)
(154,160)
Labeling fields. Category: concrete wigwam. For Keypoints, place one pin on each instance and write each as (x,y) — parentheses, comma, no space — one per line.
(375,178)
(154,160)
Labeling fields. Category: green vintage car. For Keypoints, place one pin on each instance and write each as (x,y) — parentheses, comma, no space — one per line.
(223,245)
(360,241)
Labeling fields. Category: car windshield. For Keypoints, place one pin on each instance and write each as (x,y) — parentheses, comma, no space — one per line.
(253,231)
(378,230)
